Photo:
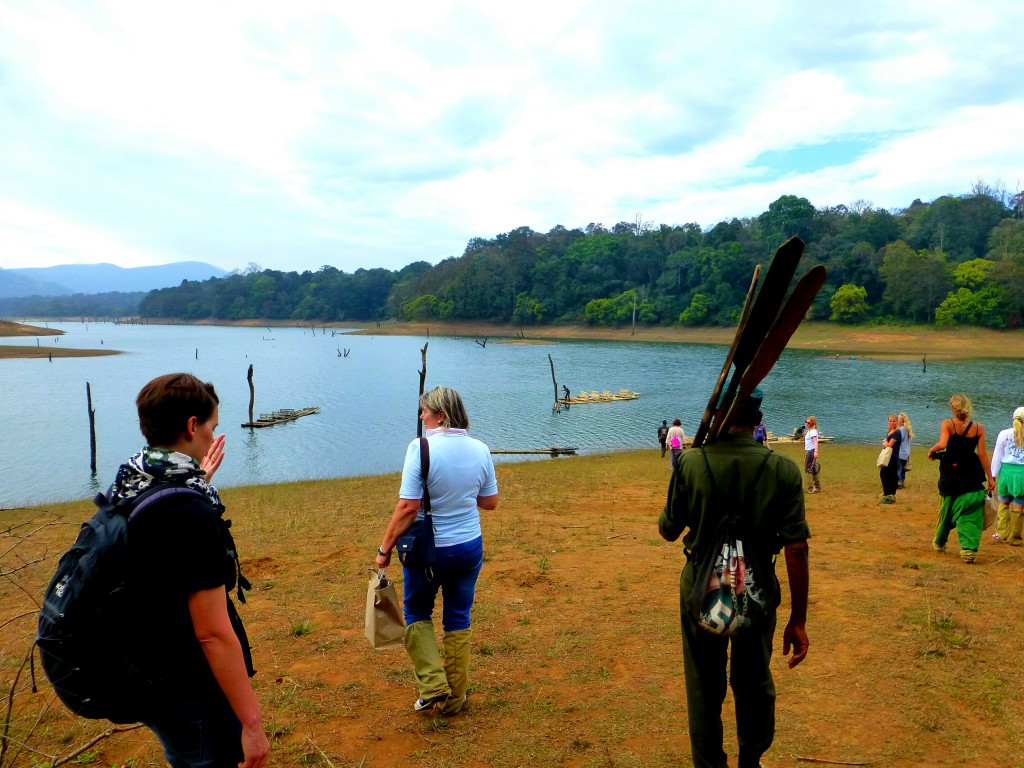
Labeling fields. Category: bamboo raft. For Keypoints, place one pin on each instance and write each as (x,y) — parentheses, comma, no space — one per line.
(552,451)
(773,438)
(282,416)
(599,397)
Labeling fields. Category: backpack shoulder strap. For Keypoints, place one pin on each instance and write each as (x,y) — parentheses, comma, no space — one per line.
(131,507)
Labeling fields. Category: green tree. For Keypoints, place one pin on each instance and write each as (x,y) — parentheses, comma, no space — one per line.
(420,309)
(849,304)
(697,312)
(915,281)
(969,307)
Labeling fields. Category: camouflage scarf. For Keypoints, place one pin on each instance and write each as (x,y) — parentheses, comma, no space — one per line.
(159,465)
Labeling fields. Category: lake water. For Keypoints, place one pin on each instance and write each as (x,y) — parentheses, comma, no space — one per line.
(368,399)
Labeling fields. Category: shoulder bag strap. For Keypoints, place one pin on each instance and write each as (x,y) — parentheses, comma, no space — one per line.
(424,469)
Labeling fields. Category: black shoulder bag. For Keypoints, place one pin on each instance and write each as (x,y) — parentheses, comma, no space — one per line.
(729,583)
(416,545)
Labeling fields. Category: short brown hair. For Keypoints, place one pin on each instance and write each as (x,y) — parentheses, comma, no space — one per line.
(167,403)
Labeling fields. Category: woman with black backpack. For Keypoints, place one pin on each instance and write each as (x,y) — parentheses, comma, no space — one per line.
(963,470)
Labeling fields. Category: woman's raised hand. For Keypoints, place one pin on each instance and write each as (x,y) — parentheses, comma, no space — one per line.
(214,457)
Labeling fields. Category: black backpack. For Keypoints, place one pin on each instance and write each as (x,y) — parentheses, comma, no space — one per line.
(85,622)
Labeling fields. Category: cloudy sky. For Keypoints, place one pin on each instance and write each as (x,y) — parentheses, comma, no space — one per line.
(298,133)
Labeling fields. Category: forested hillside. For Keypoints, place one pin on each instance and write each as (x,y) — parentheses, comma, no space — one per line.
(956,260)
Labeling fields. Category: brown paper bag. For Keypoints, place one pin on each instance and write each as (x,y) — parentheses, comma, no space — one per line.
(385,624)
(991,511)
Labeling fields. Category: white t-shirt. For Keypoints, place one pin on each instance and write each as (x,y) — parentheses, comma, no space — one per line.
(1006,451)
(675,431)
(809,436)
(460,470)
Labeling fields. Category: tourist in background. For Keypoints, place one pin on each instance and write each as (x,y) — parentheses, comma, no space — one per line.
(887,473)
(1008,472)
(906,435)
(676,440)
(460,480)
(811,465)
(963,468)
(663,436)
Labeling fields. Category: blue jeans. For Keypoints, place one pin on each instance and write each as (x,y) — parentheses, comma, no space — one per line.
(199,731)
(455,574)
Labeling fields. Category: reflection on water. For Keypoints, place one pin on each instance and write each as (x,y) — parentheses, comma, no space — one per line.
(368,399)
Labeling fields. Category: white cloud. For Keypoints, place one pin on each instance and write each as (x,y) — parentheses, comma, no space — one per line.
(294,135)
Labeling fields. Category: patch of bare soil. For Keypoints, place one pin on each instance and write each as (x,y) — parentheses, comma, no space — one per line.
(576,657)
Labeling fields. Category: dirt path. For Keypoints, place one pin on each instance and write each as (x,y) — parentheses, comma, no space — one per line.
(576,655)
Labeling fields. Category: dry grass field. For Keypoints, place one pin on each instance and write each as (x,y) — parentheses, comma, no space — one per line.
(576,660)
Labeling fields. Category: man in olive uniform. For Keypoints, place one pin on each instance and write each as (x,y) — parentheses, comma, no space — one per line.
(769,493)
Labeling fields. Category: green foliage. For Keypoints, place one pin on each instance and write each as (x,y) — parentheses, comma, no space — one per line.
(968,307)
(849,304)
(903,265)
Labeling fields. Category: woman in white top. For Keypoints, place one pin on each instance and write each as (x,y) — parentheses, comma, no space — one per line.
(906,434)
(676,441)
(811,465)
(460,480)
(1008,469)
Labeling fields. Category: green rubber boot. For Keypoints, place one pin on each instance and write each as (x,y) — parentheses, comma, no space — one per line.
(1016,526)
(1003,522)
(456,668)
(421,645)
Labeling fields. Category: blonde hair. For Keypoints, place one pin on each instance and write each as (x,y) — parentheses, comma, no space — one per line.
(960,405)
(447,402)
(1018,426)
(814,422)
(906,423)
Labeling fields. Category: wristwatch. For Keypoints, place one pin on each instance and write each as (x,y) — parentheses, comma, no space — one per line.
(381,552)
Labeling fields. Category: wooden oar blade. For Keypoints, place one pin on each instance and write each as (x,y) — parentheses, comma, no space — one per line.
(769,298)
(762,316)
(741,326)
(782,330)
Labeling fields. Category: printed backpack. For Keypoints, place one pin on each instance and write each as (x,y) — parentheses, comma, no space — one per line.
(85,621)
(728,592)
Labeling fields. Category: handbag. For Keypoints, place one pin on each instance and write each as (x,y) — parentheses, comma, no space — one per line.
(416,546)
(385,624)
(884,457)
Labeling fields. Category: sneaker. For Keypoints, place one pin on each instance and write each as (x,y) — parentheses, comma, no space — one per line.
(422,704)
(814,490)
(940,548)
(899,485)
(888,500)
(967,555)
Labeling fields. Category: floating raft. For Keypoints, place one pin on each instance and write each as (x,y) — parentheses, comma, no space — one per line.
(280,417)
(552,451)
(599,397)
(772,438)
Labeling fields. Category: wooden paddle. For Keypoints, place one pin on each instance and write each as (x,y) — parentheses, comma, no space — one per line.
(705,421)
(762,316)
(775,342)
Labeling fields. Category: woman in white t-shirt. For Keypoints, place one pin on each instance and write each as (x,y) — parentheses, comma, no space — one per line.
(676,441)
(460,480)
(811,465)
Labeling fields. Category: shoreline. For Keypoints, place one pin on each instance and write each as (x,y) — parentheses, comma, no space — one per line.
(831,340)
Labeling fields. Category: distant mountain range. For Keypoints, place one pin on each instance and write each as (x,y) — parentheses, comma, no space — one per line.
(69,279)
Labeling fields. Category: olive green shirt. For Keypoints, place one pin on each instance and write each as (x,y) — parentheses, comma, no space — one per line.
(772,510)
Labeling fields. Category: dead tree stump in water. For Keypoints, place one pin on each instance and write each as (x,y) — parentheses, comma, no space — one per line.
(423,381)
(252,392)
(92,428)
